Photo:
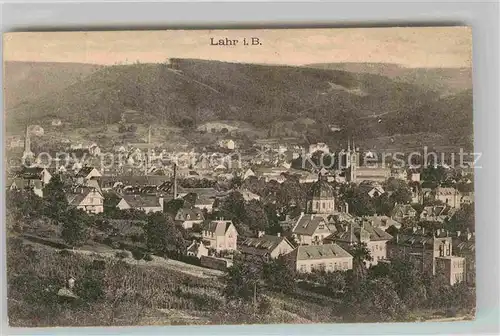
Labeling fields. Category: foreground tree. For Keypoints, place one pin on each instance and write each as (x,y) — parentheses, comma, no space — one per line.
(360,256)
(55,196)
(278,276)
(242,281)
(162,236)
(374,300)
(75,227)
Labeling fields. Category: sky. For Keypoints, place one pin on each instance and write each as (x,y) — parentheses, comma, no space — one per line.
(409,46)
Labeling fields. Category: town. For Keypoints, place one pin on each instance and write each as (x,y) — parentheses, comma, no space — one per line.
(256,218)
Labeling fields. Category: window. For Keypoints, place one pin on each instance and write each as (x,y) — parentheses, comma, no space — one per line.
(317,205)
(303,268)
(323,205)
(344,265)
(321,226)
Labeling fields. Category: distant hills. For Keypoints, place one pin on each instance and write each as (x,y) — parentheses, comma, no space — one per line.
(25,81)
(188,92)
(444,80)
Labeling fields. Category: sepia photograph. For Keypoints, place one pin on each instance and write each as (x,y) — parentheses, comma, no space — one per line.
(243,176)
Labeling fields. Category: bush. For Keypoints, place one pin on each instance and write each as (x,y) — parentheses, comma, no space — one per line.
(264,306)
(137,254)
(148,257)
(121,254)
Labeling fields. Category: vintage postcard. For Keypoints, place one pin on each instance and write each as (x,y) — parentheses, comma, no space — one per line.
(200,177)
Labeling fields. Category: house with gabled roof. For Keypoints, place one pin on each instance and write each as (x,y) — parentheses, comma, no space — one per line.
(331,257)
(143,202)
(311,229)
(348,235)
(188,216)
(35,173)
(197,249)
(372,189)
(265,246)
(437,213)
(21,184)
(401,212)
(88,199)
(220,235)
(87,173)
(449,196)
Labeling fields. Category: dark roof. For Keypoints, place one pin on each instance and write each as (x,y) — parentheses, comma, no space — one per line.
(30,172)
(193,213)
(135,180)
(261,245)
(142,201)
(79,194)
(346,235)
(462,244)
(84,172)
(322,189)
(403,210)
(218,227)
(438,210)
(308,223)
(23,183)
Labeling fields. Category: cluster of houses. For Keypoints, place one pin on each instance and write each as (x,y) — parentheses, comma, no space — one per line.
(324,235)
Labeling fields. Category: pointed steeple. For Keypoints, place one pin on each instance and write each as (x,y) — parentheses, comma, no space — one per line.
(28,155)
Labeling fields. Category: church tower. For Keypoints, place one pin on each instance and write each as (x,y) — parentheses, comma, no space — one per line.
(321,199)
(28,155)
(352,161)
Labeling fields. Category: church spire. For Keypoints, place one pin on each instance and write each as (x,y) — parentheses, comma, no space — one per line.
(27,154)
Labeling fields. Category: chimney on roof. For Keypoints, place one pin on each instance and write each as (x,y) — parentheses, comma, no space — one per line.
(423,230)
(469,235)
(346,228)
(260,233)
(414,229)
(279,234)
(397,238)
(458,233)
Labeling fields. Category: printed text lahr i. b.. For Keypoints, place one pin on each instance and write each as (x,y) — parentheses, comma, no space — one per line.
(252,41)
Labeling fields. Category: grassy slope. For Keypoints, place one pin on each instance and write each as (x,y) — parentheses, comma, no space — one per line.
(134,295)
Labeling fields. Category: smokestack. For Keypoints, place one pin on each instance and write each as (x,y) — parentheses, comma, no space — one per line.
(350,236)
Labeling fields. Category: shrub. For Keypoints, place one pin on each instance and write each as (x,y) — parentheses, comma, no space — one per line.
(148,257)
(137,254)
(121,254)
(264,306)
